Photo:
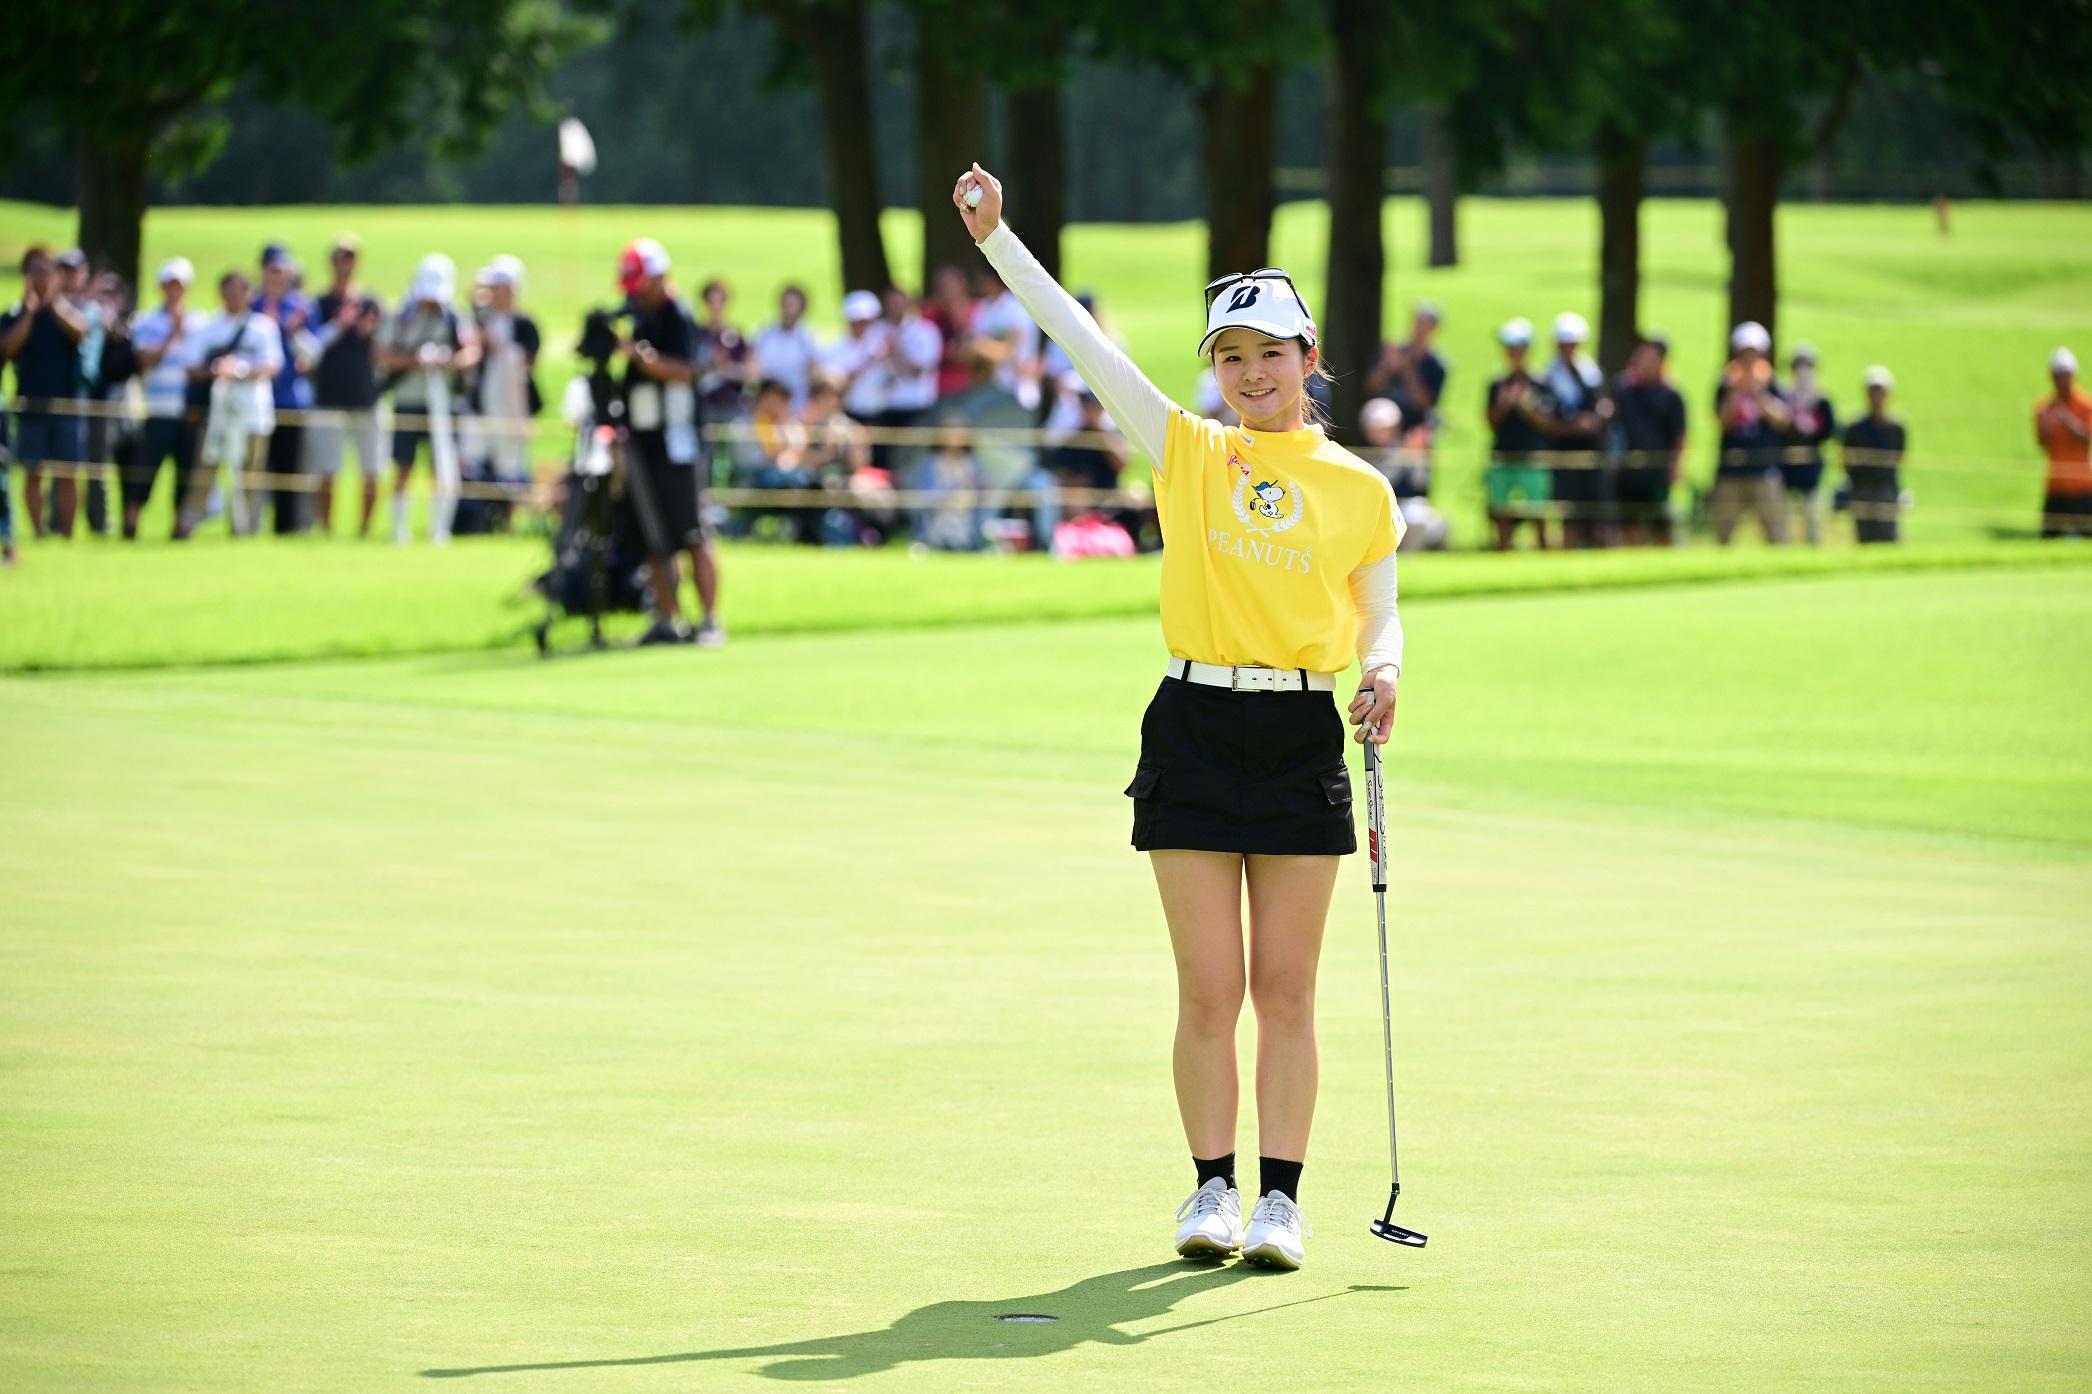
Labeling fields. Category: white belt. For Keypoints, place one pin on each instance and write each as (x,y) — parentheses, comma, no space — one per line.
(1250,677)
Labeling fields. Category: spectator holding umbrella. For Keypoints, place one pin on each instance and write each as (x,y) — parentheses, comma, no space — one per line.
(2063,426)
(242,352)
(1874,447)
(421,351)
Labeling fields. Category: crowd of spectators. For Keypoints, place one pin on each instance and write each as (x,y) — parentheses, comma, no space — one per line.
(948,420)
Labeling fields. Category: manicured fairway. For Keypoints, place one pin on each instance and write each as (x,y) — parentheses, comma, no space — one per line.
(669,1021)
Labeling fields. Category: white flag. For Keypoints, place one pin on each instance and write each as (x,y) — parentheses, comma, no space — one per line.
(576,150)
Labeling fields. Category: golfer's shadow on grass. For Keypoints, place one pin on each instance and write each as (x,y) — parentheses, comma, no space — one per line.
(1092,1310)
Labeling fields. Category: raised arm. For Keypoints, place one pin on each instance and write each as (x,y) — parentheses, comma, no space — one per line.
(1136,404)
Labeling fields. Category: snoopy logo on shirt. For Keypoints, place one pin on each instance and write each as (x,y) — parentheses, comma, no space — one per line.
(1267,500)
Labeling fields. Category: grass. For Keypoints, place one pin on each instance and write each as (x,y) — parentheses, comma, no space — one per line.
(1966,322)
(669,1019)
(97,604)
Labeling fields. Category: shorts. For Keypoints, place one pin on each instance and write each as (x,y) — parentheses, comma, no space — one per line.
(406,444)
(2066,515)
(325,438)
(43,437)
(1644,494)
(1519,490)
(1255,772)
(1801,477)
(664,502)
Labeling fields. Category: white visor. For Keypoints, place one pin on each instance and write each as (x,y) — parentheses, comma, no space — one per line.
(1266,304)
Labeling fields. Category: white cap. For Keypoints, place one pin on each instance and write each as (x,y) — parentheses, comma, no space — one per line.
(2062,361)
(1380,414)
(436,278)
(176,269)
(1571,328)
(1266,304)
(505,270)
(1878,376)
(1516,332)
(861,305)
(1750,335)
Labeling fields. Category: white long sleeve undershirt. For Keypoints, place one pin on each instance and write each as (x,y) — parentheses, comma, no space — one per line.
(1142,411)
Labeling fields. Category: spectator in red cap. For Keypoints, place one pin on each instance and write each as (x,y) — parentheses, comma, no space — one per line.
(661,419)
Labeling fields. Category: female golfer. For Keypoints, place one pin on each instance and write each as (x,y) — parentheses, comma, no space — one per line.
(1278,563)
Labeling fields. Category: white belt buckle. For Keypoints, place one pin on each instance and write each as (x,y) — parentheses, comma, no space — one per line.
(1262,684)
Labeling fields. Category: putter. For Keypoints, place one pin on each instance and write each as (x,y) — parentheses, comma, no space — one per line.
(1376,831)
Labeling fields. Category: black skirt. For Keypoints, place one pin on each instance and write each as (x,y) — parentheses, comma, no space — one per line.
(1224,771)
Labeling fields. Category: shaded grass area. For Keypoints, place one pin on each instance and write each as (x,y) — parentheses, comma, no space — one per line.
(679,1019)
(96,605)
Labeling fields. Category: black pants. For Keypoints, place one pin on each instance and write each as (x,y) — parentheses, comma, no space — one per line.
(287,458)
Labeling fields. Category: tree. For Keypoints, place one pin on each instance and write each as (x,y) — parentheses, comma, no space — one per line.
(1359,82)
(141,84)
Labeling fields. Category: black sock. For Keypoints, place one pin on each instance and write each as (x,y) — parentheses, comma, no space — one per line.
(1219,1166)
(1283,1177)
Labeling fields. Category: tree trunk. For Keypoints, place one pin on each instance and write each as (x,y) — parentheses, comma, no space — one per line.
(1751,193)
(1357,142)
(1238,142)
(951,127)
(1621,156)
(111,194)
(838,45)
(1039,171)
(1442,187)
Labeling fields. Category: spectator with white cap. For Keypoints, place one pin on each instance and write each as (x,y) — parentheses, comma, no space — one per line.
(857,359)
(1520,491)
(1801,462)
(505,391)
(1575,427)
(241,355)
(167,340)
(2063,426)
(343,367)
(1754,414)
(1001,317)
(661,418)
(422,348)
(1874,447)
(1382,445)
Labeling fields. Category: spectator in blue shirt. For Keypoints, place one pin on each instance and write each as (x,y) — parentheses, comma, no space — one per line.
(291,390)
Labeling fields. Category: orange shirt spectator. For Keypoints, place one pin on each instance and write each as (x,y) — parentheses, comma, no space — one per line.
(2063,424)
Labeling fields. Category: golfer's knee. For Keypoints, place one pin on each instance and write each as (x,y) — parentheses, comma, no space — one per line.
(1209,1002)
(1284,997)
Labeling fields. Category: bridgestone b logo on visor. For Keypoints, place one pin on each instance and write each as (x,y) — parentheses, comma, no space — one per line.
(1244,297)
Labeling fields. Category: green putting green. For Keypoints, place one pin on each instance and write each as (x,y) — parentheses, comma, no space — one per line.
(674,1020)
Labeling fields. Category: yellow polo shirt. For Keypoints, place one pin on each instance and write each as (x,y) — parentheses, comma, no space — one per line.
(1261,531)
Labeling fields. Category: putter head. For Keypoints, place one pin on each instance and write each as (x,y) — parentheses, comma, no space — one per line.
(1395,1234)
(1386,1228)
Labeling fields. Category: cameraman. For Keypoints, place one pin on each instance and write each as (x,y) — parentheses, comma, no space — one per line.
(661,419)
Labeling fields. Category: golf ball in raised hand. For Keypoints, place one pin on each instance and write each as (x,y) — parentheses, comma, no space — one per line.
(973,197)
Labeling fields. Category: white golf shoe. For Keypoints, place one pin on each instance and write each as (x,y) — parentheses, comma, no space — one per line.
(1276,1230)
(1212,1221)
